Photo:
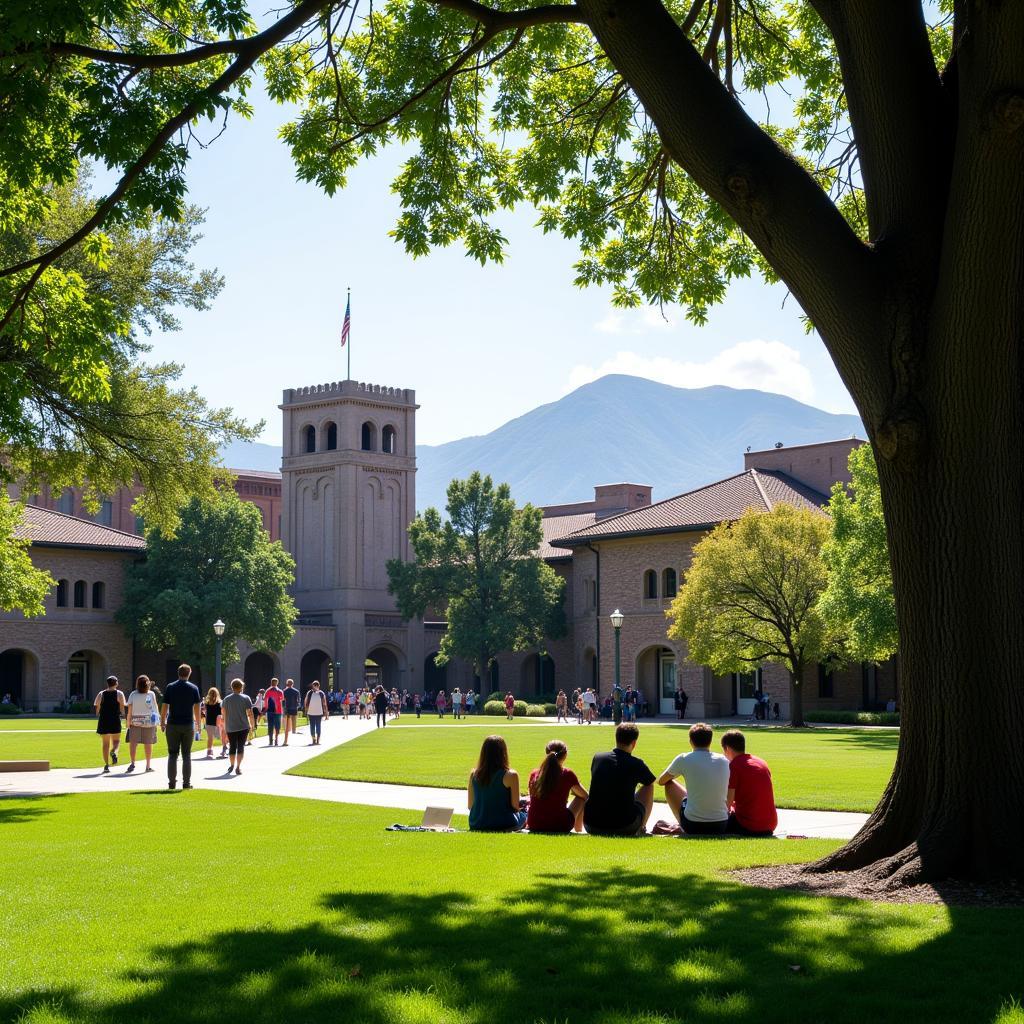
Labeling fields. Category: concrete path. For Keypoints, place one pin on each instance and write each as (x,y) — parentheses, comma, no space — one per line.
(263,768)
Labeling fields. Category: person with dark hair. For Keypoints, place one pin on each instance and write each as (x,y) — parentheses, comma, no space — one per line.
(751,798)
(621,789)
(493,791)
(238,723)
(292,702)
(213,722)
(550,787)
(181,721)
(699,806)
(681,701)
(273,703)
(440,703)
(109,707)
(317,711)
(142,711)
(510,705)
(380,705)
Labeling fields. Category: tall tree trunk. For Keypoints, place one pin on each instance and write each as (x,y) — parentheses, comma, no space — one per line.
(796,698)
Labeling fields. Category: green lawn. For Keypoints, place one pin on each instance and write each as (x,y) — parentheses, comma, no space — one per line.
(262,909)
(823,769)
(70,742)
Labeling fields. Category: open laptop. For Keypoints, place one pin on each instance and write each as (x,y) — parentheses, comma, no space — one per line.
(439,818)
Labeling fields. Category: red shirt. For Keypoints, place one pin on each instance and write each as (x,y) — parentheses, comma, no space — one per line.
(549,813)
(754,798)
(510,702)
(273,699)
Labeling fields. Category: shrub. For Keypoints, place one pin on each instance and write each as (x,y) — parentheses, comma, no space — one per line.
(854,717)
(494,707)
(498,695)
(520,710)
(9,709)
(550,710)
(536,711)
(80,707)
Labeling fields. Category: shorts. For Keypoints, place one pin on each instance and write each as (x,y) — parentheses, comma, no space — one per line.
(703,828)
(733,827)
(567,825)
(143,734)
(236,742)
(634,828)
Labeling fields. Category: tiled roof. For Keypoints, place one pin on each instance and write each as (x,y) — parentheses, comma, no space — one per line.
(263,474)
(54,529)
(556,527)
(723,501)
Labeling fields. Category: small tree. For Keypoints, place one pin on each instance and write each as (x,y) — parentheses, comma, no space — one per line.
(751,595)
(858,602)
(23,587)
(221,564)
(481,565)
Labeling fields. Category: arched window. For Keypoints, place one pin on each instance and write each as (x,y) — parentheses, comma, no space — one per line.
(668,583)
(309,439)
(62,593)
(66,502)
(650,584)
(332,437)
(368,439)
(387,440)
(98,593)
(79,593)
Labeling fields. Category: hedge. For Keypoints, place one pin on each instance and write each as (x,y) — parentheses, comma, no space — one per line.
(854,717)
(9,709)
(535,711)
(494,707)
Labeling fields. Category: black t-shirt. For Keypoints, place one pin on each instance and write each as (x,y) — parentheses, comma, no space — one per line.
(211,711)
(181,696)
(381,701)
(292,700)
(613,780)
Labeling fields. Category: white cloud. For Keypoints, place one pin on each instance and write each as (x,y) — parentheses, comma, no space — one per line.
(764,365)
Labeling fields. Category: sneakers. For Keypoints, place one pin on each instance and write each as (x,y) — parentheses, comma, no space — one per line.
(171,785)
(238,771)
(186,785)
(230,769)
(106,769)
(130,768)
(113,756)
(149,769)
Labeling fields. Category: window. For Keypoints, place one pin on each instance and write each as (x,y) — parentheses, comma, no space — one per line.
(368,438)
(140,526)
(387,440)
(825,681)
(332,437)
(98,590)
(62,593)
(79,593)
(309,439)
(66,502)
(105,516)
(650,584)
(668,586)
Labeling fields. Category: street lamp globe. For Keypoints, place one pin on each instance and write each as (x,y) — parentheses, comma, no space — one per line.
(218,628)
(617,619)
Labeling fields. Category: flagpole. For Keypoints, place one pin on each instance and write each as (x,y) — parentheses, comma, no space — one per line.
(348,306)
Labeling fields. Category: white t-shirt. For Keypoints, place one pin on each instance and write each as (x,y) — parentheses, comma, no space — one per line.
(707,783)
(317,702)
(456,698)
(590,698)
(142,709)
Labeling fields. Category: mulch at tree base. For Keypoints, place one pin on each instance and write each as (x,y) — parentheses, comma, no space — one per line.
(858,885)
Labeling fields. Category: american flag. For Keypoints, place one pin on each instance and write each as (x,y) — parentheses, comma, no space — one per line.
(346,327)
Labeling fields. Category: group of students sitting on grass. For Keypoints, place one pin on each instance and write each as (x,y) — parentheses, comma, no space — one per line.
(723,793)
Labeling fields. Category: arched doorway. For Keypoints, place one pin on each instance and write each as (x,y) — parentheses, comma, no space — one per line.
(656,678)
(537,675)
(19,677)
(386,666)
(85,676)
(314,665)
(257,672)
(435,677)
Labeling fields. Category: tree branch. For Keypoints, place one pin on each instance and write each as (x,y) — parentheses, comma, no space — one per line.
(500,21)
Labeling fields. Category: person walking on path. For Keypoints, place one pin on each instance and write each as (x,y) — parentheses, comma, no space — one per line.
(181,720)
(417,704)
(109,707)
(317,712)
(469,701)
(441,703)
(292,703)
(681,702)
(510,705)
(561,708)
(274,704)
(213,723)
(257,710)
(617,704)
(142,711)
(380,705)
(238,722)
(456,703)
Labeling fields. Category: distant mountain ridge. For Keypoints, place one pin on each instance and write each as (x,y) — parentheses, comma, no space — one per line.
(617,428)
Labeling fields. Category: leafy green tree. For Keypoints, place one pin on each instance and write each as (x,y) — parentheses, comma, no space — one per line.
(858,602)
(23,587)
(220,564)
(481,565)
(887,199)
(751,595)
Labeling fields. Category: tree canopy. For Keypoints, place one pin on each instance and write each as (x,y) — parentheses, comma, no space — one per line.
(480,569)
(23,587)
(858,601)
(751,595)
(220,564)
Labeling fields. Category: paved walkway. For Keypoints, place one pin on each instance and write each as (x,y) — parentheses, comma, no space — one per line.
(263,768)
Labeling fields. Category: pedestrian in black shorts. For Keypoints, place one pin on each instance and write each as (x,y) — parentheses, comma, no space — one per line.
(238,723)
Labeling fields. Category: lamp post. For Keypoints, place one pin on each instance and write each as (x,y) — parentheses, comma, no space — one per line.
(617,619)
(218,632)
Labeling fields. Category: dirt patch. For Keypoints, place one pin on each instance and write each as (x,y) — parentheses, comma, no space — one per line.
(861,886)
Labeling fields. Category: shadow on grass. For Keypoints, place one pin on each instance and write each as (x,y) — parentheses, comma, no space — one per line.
(606,947)
(29,807)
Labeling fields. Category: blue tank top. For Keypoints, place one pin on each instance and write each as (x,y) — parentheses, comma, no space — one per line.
(491,810)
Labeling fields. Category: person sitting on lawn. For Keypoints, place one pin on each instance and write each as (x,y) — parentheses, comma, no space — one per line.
(751,798)
(493,791)
(616,806)
(550,786)
(700,807)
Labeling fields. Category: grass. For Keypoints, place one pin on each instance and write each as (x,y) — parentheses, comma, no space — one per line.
(72,742)
(262,910)
(825,769)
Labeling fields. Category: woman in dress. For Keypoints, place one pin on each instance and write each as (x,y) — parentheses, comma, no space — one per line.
(440,702)
(109,707)
(493,791)
(212,720)
(550,787)
(142,711)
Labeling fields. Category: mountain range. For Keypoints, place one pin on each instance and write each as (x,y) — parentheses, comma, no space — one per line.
(617,428)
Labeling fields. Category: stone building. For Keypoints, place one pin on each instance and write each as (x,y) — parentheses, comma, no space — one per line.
(342,504)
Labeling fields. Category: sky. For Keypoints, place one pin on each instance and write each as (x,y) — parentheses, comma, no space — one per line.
(480,345)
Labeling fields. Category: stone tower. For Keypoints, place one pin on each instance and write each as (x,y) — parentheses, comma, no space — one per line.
(348,495)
